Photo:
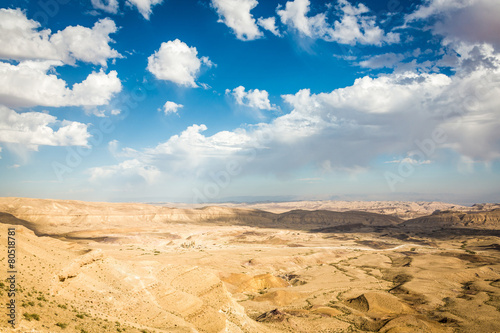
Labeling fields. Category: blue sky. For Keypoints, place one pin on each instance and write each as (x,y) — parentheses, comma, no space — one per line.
(245,100)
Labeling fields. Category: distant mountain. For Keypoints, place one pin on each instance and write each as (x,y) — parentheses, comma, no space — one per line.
(58,217)
(61,217)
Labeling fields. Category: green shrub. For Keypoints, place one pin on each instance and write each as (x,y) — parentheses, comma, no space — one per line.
(62,325)
(29,316)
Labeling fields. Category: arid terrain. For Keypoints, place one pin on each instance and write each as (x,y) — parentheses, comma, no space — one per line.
(274,267)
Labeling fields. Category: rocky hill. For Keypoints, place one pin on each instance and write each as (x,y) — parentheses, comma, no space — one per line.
(57,217)
(489,219)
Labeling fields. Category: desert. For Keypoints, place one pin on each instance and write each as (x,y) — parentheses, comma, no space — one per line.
(346,267)
(250,166)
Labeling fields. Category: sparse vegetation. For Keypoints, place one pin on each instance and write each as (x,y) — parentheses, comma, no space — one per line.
(62,325)
(30,316)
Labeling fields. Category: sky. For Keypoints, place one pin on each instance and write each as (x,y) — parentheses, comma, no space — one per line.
(245,100)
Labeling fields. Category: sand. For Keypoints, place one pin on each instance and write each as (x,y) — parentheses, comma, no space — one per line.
(99,267)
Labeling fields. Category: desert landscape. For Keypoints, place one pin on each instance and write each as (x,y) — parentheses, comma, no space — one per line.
(250,166)
(275,267)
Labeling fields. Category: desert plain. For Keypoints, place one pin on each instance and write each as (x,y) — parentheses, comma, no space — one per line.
(325,266)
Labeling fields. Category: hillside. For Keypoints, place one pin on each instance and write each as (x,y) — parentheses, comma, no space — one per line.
(488,219)
(58,217)
(99,267)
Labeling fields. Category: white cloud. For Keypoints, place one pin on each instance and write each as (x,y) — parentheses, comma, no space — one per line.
(171,107)
(435,7)
(471,107)
(269,24)
(33,129)
(21,39)
(409,160)
(254,98)
(295,16)
(464,57)
(191,142)
(388,60)
(455,19)
(177,62)
(113,146)
(465,50)
(97,89)
(387,94)
(0,152)
(347,129)
(130,169)
(465,106)
(236,15)
(110,6)
(144,6)
(353,27)
(30,84)
(116,151)
(88,45)
(179,154)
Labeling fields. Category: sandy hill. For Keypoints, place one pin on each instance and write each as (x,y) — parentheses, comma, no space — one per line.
(64,285)
(402,209)
(327,218)
(97,267)
(51,217)
(488,219)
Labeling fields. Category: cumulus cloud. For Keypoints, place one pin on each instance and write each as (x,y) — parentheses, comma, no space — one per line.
(30,83)
(236,15)
(110,6)
(464,57)
(181,153)
(346,129)
(354,26)
(254,98)
(269,24)
(465,50)
(144,6)
(87,45)
(409,107)
(193,143)
(33,129)
(97,89)
(22,39)
(129,169)
(295,16)
(454,19)
(177,62)
(171,107)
